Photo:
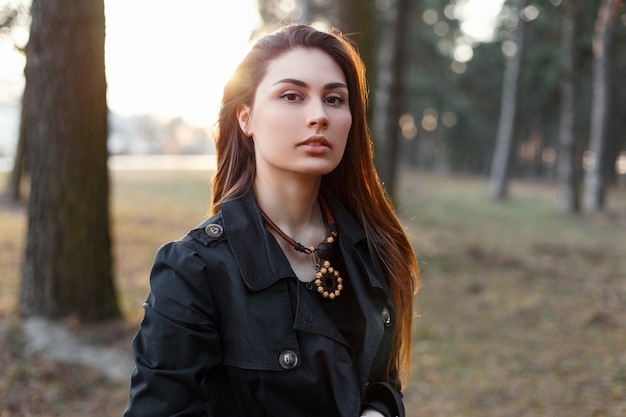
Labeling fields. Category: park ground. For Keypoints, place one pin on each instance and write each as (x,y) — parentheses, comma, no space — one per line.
(522,310)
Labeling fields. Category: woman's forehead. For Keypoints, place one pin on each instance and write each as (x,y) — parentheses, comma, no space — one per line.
(304,64)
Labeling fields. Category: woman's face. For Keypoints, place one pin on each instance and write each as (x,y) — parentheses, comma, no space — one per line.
(300,117)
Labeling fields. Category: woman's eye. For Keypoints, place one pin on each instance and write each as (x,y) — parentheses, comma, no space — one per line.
(335,100)
(292,97)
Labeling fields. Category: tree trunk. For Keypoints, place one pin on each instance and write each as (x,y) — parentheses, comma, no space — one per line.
(500,162)
(391,60)
(357,18)
(67,268)
(595,176)
(569,200)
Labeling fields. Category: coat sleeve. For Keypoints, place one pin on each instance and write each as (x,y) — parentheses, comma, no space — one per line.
(383,397)
(177,345)
(384,394)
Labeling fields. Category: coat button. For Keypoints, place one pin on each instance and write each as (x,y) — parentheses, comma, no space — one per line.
(288,359)
(213,230)
(386,316)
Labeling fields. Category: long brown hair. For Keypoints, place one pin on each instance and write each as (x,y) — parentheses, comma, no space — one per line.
(354,182)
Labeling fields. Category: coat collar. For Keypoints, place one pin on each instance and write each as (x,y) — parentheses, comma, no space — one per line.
(258,255)
(252,245)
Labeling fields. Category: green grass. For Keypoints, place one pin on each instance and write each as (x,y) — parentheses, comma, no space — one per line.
(522,311)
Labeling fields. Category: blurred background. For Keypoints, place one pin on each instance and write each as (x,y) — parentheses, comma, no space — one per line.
(498,128)
(449,79)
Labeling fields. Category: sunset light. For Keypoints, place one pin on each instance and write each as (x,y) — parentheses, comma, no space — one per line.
(172,60)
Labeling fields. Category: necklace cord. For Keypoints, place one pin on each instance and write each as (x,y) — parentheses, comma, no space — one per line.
(296,245)
(327,279)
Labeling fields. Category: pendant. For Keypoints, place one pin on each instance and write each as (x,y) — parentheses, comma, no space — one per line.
(328,281)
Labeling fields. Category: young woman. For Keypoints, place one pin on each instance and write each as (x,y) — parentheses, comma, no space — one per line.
(295,297)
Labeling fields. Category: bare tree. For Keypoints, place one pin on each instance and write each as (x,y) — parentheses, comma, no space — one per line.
(388,90)
(566,169)
(500,162)
(67,267)
(595,176)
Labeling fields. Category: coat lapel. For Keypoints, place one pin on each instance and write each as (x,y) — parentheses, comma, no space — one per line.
(259,257)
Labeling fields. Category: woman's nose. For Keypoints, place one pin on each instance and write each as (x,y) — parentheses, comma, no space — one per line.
(318,117)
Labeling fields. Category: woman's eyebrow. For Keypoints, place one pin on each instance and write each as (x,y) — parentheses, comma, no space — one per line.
(332,86)
(329,86)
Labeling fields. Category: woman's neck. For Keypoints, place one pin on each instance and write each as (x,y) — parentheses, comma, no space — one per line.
(292,206)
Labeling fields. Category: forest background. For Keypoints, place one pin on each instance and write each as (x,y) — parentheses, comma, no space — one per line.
(506,158)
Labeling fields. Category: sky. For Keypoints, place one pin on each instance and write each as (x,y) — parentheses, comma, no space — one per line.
(164,58)
(172,61)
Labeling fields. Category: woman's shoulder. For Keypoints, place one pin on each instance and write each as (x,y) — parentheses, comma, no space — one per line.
(208,233)
(197,258)
(197,244)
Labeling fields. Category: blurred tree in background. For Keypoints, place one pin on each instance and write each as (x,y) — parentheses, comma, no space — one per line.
(566,163)
(596,174)
(389,83)
(67,267)
(500,160)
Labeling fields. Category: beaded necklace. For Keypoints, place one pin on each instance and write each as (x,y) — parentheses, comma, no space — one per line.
(327,279)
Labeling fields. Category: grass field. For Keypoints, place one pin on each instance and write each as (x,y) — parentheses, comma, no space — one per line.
(521,310)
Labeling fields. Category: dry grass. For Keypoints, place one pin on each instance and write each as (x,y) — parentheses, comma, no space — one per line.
(521,312)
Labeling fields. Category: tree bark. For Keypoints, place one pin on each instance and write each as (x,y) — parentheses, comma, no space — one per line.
(595,176)
(387,105)
(569,200)
(499,174)
(67,268)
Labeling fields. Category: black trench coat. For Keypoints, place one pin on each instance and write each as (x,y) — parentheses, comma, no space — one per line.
(222,335)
